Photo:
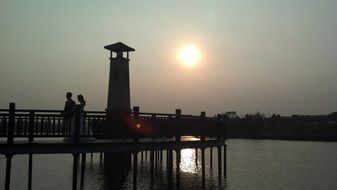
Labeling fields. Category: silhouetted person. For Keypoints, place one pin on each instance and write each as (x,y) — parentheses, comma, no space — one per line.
(85,131)
(80,98)
(68,110)
(86,134)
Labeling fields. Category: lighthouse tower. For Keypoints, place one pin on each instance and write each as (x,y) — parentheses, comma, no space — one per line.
(119,80)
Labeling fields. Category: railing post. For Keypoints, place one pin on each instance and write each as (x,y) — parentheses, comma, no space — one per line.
(202,118)
(178,119)
(224,132)
(136,122)
(77,125)
(219,127)
(136,113)
(31,127)
(224,123)
(11,121)
(153,121)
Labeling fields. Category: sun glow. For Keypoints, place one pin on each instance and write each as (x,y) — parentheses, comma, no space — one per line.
(189,55)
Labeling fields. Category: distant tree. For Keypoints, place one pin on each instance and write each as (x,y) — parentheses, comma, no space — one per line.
(230,114)
(333,116)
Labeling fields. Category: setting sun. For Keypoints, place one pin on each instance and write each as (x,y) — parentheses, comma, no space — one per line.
(189,55)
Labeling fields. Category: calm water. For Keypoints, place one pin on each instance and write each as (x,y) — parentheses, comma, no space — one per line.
(252,164)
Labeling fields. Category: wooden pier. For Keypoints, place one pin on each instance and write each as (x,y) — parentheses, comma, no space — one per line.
(42,131)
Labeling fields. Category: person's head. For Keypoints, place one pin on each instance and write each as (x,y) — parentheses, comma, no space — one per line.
(69,95)
(80,98)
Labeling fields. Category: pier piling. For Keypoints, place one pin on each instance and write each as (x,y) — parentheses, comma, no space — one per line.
(178,156)
(211,157)
(152,162)
(83,163)
(219,163)
(135,166)
(8,171)
(203,167)
(75,166)
(225,161)
(30,171)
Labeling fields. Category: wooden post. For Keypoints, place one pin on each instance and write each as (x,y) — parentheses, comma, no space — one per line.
(136,122)
(211,157)
(141,156)
(203,167)
(11,121)
(224,123)
(156,160)
(196,157)
(219,163)
(219,127)
(100,158)
(161,155)
(178,119)
(167,159)
(31,127)
(77,125)
(8,171)
(136,113)
(178,156)
(225,161)
(153,121)
(170,161)
(135,166)
(202,121)
(170,168)
(83,163)
(152,162)
(75,166)
(30,171)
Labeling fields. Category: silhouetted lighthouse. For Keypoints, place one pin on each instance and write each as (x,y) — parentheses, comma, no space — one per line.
(119,80)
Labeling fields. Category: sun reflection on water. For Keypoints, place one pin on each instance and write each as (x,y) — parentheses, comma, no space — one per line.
(188,161)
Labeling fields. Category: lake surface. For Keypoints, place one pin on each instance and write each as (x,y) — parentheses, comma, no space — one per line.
(252,164)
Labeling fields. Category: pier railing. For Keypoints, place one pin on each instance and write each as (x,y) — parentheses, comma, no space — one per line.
(51,123)
(31,124)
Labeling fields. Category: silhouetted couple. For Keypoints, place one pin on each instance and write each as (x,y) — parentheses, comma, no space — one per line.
(69,119)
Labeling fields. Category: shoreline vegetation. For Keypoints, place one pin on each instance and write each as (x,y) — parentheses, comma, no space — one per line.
(276,127)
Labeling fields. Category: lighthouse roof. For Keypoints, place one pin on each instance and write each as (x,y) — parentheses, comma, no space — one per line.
(119,47)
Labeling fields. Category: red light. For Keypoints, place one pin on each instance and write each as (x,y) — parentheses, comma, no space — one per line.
(138,125)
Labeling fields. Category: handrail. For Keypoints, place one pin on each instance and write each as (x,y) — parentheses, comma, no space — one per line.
(150,114)
(46,111)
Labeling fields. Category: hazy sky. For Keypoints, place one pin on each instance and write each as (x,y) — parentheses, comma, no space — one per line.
(270,56)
